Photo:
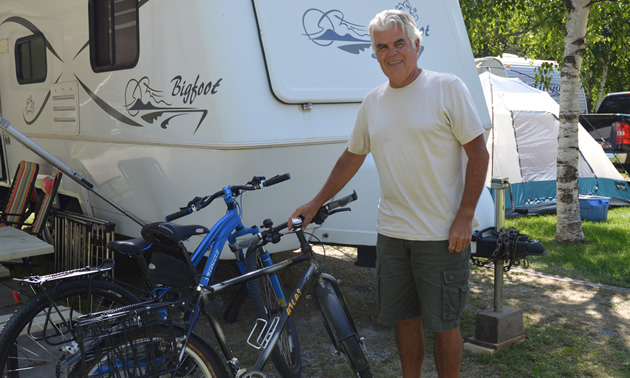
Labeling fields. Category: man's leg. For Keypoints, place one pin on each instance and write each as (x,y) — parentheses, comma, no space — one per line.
(410,341)
(448,349)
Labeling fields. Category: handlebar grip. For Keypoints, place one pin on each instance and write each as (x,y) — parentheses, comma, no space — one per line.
(179,214)
(341,201)
(246,243)
(276,179)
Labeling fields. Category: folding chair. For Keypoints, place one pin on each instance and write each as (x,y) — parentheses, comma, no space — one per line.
(15,209)
(49,187)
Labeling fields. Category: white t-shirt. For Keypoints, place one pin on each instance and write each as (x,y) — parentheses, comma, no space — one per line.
(415,135)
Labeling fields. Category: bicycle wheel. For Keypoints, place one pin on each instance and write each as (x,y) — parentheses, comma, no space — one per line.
(286,355)
(155,354)
(35,338)
(342,331)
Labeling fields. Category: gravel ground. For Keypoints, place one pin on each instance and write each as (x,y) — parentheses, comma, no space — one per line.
(601,313)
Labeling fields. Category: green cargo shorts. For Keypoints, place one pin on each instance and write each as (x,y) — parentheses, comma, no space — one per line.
(421,279)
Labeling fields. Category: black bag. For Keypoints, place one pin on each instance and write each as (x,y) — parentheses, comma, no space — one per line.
(508,244)
(171,271)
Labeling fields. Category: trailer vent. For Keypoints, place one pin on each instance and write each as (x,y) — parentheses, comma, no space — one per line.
(65,108)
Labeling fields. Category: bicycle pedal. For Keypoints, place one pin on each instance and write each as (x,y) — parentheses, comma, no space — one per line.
(264,335)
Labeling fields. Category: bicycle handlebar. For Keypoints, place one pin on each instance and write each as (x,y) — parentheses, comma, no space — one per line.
(325,210)
(272,234)
(178,214)
(276,179)
(198,203)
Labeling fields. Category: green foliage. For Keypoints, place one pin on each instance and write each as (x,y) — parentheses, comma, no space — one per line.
(535,29)
(604,258)
(607,41)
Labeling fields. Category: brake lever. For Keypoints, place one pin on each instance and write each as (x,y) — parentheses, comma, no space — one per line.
(195,204)
(331,212)
(256,181)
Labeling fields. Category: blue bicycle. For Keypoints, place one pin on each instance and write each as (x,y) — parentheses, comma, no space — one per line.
(170,270)
(42,333)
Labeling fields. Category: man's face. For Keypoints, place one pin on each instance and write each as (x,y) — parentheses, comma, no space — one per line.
(397,56)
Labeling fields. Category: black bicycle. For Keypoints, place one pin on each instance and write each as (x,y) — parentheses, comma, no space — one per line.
(324,290)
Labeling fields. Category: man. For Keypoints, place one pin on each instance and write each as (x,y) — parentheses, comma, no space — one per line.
(416,126)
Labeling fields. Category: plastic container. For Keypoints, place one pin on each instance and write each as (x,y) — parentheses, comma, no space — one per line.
(594,208)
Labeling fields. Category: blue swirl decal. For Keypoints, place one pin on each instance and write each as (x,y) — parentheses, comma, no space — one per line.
(331,27)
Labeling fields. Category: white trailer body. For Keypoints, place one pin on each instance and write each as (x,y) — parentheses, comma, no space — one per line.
(158,101)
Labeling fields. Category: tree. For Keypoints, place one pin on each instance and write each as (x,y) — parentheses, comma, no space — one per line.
(556,30)
(569,223)
(606,64)
(536,29)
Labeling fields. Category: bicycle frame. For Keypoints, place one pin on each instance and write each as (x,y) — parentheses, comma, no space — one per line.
(228,228)
(311,274)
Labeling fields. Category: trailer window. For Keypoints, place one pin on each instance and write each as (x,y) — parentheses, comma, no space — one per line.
(30,59)
(113,34)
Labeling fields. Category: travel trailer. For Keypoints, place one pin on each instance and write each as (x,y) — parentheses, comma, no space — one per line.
(158,101)
(512,66)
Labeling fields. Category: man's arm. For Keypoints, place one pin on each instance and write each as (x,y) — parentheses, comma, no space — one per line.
(461,230)
(346,167)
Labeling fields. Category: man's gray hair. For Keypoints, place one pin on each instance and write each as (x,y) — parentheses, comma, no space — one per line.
(398,19)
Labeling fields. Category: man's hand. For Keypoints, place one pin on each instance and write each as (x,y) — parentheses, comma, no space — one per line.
(307,211)
(460,234)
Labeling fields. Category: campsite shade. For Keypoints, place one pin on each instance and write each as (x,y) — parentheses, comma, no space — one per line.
(523,145)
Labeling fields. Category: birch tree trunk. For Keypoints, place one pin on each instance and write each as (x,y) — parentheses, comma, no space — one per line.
(569,223)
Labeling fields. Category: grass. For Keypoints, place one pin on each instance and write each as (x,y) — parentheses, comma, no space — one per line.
(604,258)
(571,331)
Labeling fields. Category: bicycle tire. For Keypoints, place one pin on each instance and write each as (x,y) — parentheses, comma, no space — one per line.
(286,355)
(340,325)
(200,359)
(25,340)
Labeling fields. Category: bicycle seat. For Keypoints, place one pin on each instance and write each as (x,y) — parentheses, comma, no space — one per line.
(167,232)
(129,247)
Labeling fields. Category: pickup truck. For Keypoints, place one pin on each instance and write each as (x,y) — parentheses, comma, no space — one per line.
(610,126)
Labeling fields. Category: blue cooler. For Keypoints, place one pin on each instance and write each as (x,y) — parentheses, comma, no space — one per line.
(594,208)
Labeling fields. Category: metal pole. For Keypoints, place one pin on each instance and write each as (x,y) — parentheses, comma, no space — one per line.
(69,172)
(499,184)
